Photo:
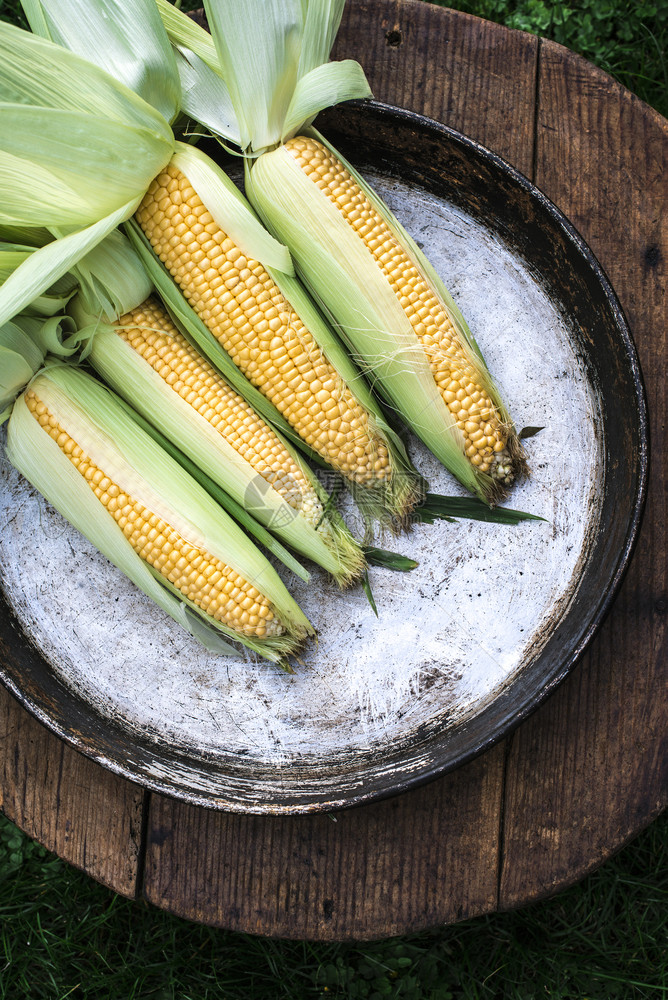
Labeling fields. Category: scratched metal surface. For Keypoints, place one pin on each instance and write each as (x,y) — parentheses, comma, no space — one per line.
(449,637)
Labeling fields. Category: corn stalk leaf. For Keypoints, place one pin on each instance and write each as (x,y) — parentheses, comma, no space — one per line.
(389,560)
(436,507)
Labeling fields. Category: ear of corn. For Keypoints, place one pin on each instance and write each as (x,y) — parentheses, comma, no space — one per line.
(148,361)
(78,447)
(259,314)
(395,319)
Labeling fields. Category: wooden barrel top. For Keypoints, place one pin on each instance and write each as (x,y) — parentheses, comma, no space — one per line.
(587,770)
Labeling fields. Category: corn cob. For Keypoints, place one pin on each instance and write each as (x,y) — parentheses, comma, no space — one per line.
(147,515)
(488,436)
(242,304)
(221,432)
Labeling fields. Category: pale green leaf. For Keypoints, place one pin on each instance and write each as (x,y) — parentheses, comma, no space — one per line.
(185,33)
(65,168)
(111,278)
(107,32)
(321,25)
(259,45)
(47,264)
(36,72)
(322,87)
(205,97)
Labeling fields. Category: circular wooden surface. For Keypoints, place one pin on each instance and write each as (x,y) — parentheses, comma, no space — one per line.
(584,773)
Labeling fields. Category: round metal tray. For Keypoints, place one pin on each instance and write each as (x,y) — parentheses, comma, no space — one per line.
(465,646)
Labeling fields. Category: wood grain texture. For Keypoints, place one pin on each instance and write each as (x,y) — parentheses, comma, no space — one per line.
(71,805)
(474,76)
(417,860)
(599,745)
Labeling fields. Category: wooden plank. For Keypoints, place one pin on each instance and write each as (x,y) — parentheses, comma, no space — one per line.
(475,76)
(74,807)
(418,860)
(598,747)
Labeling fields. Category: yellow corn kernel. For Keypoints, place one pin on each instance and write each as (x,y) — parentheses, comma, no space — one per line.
(149,331)
(253,322)
(214,587)
(455,376)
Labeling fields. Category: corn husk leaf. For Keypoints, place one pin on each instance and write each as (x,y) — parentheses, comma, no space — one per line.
(106,33)
(272,56)
(259,45)
(185,33)
(321,24)
(436,507)
(205,97)
(48,264)
(111,279)
(322,87)
(77,151)
(116,443)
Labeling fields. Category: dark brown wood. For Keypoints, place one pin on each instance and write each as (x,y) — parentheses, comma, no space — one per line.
(430,61)
(423,858)
(587,771)
(602,157)
(73,806)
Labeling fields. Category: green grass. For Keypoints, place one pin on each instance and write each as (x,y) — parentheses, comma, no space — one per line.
(62,935)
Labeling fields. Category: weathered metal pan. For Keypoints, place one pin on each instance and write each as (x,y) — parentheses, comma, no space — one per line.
(467,645)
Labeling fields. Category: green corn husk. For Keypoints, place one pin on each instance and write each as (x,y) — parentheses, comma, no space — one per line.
(77,151)
(132,459)
(277,100)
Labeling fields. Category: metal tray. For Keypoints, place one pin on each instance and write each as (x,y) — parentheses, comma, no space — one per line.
(465,646)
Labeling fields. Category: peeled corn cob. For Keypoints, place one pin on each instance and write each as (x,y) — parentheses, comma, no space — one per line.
(78,446)
(427,364)
(485,433)
(195,573)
